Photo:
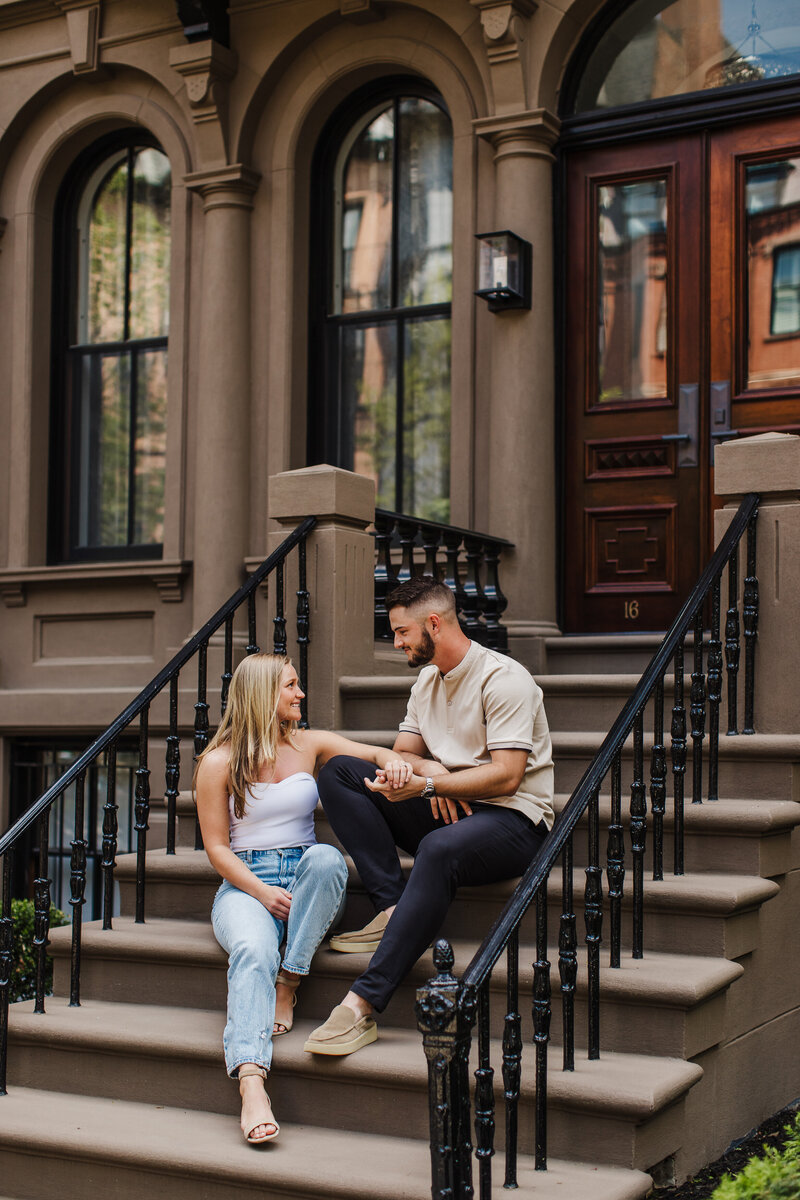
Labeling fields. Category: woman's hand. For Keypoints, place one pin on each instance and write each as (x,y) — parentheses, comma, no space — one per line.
(395,773)
(277,901)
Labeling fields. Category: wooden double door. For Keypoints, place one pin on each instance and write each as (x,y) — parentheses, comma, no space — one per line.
(682,329)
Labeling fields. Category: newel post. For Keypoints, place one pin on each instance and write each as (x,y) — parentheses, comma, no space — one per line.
(340,560)
(445,1016)
(769,596)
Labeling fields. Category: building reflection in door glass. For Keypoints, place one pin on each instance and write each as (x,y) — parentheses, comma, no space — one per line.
(632,293)
(772,203)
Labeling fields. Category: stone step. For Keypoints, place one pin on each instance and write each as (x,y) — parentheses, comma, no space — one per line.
(619,1111)
(708,913)
(582,654)
(662,1004)
(73,1146)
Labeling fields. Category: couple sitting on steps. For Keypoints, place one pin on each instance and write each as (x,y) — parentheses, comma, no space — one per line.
(467,790)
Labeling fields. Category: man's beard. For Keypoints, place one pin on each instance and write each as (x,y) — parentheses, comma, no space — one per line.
(423,652)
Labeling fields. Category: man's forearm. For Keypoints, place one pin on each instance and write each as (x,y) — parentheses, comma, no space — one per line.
(486,782)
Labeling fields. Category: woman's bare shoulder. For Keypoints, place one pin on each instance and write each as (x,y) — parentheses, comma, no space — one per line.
(215,762)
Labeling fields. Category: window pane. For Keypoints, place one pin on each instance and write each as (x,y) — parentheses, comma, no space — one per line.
(150,447)
(106,259)
(365,219)
(772,203)
(426,420)
(425,215)
(657,48)
(632,291)
(104,438)
(368,406)
(150,245)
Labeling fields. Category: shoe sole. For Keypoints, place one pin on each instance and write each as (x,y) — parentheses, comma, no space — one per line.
(348,947)
(341,1048)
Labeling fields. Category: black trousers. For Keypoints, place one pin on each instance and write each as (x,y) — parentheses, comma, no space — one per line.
(493,843)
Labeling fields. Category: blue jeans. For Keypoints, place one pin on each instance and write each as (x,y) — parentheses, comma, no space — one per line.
(316,876)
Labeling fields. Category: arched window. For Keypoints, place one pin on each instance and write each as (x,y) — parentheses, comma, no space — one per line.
(660,48)
(112,320)
(381,395)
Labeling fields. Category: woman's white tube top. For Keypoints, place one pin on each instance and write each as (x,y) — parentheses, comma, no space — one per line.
(277,815)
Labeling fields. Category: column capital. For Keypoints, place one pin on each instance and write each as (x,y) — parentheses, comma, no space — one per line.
(207,67)
(531,133)
(224,187)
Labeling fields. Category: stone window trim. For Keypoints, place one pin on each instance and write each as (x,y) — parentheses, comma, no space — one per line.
(167,575)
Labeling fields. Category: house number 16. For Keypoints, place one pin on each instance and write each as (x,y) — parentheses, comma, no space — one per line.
(631,610)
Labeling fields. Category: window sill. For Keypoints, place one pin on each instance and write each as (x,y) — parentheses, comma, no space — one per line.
(167,576)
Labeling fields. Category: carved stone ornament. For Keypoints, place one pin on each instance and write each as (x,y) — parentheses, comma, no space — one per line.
(505,28)
(83,31)
(499,18)
(207,68)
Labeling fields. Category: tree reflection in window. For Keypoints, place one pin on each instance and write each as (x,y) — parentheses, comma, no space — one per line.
(117,357)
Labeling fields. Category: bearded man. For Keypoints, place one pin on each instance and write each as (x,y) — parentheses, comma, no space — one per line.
(470,796)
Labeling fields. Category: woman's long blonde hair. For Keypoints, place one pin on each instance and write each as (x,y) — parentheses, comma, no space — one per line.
(250,726)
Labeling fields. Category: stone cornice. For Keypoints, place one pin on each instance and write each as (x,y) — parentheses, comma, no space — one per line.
(225,187)
(167,575)
(533,132)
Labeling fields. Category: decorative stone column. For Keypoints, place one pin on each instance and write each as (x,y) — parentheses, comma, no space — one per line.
(770,465)
(522,445)
(222,395)
(340,576)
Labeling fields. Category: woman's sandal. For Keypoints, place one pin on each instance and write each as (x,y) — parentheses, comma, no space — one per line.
(278,1028)
(252,1069)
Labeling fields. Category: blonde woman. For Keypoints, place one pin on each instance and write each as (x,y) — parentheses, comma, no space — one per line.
(256,795)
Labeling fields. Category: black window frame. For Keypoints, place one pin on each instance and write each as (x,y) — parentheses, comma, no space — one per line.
(324,429)
(66,361)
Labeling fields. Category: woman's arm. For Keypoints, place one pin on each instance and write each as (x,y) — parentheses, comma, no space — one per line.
(325,744)
(212,791)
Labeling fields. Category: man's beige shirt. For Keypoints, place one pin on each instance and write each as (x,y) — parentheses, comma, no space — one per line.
(488,702)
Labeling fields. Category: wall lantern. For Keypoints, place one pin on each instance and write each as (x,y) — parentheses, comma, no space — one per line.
(504,270)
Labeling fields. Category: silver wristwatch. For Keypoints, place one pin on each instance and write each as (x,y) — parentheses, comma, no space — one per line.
(428,792)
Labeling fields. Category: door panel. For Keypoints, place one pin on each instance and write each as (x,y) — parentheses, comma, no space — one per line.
(633,498)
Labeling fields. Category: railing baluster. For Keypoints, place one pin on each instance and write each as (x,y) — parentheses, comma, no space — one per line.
(494,601)
(473,592)
(279,620)
(407,529)
(638,833)
(227,672)
(658,781)
(452,576)
(750,614)
(252,643)
(431,537)
(6,962)
(385,578)
(568,957)
(41,910)
(697,709)
(512,1058)
(714,692)
(615,855)
(678,752)
(110,831)
(732,640)
(445,1015)
(593,919)
(201,718)
(484,1096)
(77,888)
(303,629)
(142,810)
(541,1025)
(172,773)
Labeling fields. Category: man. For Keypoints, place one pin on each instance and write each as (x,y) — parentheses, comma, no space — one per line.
(470,796)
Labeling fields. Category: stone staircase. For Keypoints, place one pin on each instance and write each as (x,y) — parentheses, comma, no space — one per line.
(128,1091)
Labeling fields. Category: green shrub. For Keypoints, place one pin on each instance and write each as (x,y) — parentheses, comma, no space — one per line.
(23,957)
(776,1176)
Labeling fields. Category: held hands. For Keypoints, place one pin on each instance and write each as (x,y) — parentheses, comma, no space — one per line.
(396,781)
(277,901)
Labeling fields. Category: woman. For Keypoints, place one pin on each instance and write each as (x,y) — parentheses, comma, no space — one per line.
(256,796)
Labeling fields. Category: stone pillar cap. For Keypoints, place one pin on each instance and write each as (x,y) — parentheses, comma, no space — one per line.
(767,462)
(321,491)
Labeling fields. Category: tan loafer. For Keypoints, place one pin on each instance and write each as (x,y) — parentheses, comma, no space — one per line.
(361,941)
(342,1033)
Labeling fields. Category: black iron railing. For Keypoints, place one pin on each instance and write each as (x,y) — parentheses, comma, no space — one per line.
(448,1008)
(106,744)
(467,562)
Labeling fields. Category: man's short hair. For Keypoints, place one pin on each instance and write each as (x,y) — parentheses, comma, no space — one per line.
(419,591)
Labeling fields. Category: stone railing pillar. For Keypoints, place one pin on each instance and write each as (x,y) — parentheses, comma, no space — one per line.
(770,465)
(222,398)
(341,572)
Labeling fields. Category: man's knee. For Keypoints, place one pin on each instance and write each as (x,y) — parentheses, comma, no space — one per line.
(343,771)
(436,849)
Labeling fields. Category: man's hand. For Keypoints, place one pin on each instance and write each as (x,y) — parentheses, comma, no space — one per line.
(396,772)
(442,807)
